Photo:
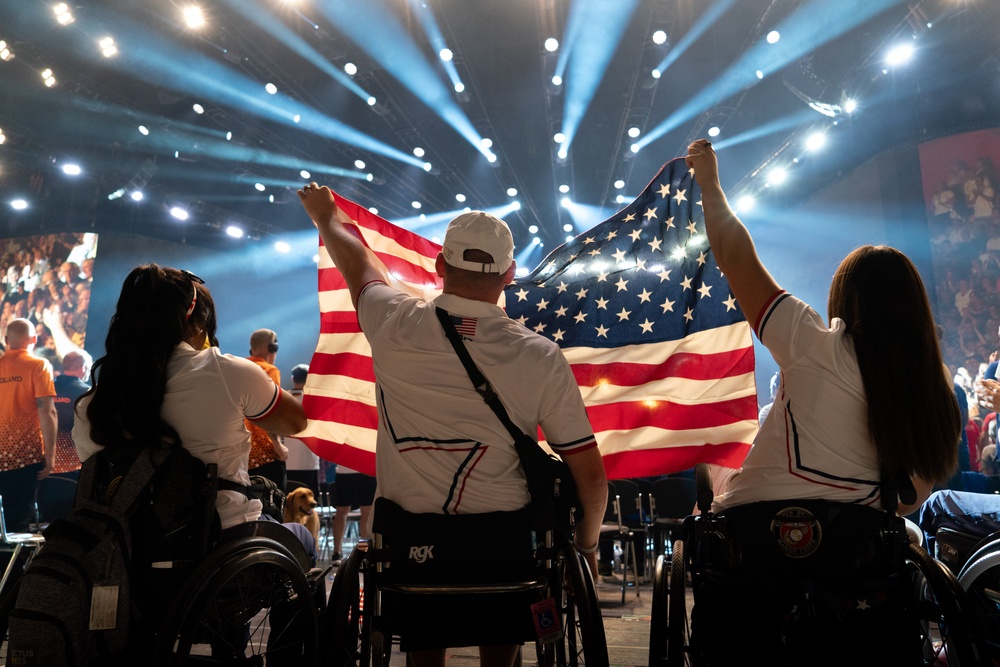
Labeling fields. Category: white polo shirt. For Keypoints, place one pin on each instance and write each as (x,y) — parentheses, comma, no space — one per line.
(815,442)
(440,448)
(208,394)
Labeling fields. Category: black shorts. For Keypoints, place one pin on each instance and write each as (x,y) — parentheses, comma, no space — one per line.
(354,489)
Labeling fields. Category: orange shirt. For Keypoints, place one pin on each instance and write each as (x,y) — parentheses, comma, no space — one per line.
(261,447)
(23,378)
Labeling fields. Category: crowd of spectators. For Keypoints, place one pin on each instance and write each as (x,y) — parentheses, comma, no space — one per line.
(47,280)
(965,240)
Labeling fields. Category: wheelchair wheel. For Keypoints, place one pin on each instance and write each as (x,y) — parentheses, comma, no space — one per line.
(948,631)
(246,604)
(677,621)
(659,614)
(346,625)
(980,579)
(583,641)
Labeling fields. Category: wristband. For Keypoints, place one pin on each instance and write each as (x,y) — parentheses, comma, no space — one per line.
(580,549)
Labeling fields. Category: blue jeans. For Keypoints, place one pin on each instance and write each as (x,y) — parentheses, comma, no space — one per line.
(975,513)
(301,533)
(17,488)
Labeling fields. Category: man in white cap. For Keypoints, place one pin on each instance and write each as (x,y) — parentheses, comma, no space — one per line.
(440,449)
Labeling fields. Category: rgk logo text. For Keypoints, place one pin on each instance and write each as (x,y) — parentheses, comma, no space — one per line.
(421,554)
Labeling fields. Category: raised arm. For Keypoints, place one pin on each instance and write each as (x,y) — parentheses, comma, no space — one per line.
(731,244)
(341,241)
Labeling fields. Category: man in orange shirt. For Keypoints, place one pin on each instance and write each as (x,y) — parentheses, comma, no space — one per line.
(28,423)
(267,452)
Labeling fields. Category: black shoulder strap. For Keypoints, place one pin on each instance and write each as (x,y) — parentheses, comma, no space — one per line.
(479,381)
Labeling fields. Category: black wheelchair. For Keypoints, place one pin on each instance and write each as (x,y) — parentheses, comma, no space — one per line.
(806,582)
(974,558)
(485,587)
(243,596)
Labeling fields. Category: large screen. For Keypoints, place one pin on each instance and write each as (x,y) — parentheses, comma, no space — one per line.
(47,279)
(961,194)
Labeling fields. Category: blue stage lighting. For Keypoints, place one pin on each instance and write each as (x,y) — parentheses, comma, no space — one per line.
(19,204)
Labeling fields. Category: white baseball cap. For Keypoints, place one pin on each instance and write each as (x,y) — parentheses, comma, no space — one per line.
(477,230)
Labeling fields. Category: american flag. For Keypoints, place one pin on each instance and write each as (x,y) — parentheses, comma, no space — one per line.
(661,352)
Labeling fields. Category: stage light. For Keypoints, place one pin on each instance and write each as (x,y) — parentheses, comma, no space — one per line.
(532,229)
(850,106)
(371,101)
(634,132)
(369,177)
(899,54)
(777,176)
(491,158)
(360,164)
(556,80)
(71,169)
(559,137)
(773,37)
(3,137)
(427,166)
(714,131)
(179,213)
(198,109)
(634,148)
(446,55)
(515,206)
(486,143)
(193,17)
(745,203)
(620,199)
(305,174)
(415,204)
(563,152)
(567,227)
(760,74)
(460,197)
(48,78)
(136,195)
(511,192)
(19,204)
(619,184)
(271,88)
(234,231)
(116,194)
(459,87)
(373,210)
(565,202)
(656,74)
(552,45)
(259,187)
(296,118)
(5,52)
(418,151)
(283,247)
(564,188)
(108,48)
(569,238)
(659,37)
(538,242)
(815,141)
(350,69)
(63,15)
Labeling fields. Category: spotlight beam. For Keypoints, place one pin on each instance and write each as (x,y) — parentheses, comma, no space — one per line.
(601,26)
(812,25)
(265,20)
(161,62)
(434,36)
(788,122)
(375,28)
(701,25)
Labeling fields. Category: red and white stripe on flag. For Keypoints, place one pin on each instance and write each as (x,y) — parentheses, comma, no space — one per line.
(339,396)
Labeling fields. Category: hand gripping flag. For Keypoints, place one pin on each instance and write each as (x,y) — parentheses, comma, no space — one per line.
(661,352)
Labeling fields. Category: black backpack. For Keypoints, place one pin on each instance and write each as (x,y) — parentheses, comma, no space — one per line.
(75,605)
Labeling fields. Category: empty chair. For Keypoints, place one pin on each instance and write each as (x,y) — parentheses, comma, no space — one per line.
(673,499)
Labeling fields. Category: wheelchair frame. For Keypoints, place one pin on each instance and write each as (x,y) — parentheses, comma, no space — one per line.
(359,638)
(948,632)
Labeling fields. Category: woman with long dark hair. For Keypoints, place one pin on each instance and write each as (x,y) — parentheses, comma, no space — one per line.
(866,393)
(163,379)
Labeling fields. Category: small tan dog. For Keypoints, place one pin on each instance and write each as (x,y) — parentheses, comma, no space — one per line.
(300,507)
